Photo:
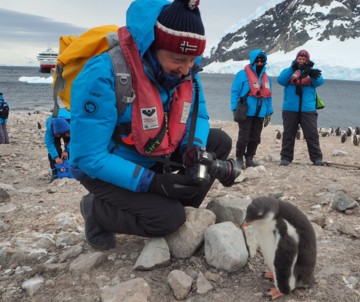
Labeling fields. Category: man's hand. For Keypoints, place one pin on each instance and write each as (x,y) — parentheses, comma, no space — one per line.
(58,160)
(175,186)
(64,155)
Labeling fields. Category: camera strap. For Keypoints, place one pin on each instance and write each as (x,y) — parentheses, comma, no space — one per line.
(193,117)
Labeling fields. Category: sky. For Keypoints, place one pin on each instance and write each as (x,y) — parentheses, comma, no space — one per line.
(29,27)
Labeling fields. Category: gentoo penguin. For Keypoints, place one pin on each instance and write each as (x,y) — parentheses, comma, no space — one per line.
(349,131)
(357,130)
(356,140)
(278,134)
(287,242)
(343,137)
(338,131)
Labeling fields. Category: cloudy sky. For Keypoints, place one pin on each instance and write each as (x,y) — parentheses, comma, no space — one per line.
(28,27)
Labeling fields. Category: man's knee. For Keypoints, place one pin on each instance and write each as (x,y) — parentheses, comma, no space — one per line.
(167,221)
(220,143)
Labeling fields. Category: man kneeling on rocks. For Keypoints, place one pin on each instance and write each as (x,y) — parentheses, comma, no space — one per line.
(128,162)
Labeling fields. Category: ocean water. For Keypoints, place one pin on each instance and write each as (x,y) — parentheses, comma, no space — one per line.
(26,89)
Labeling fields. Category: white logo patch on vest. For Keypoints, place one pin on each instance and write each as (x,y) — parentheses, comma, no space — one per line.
(185,112)
(267,85)
(256,85)
(149,118)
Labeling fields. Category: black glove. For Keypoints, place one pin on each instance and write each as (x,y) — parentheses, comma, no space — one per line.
(315,73)
(175,186)
(295,66)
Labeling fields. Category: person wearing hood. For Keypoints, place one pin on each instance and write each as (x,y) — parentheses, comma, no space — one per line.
(140,168)
(4,114)
(299,107)
(57,138)
(251,102)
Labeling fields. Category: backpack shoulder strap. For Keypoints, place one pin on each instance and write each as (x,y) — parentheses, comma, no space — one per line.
(123,80)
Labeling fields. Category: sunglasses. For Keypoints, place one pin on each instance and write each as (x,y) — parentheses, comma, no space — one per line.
(259,60)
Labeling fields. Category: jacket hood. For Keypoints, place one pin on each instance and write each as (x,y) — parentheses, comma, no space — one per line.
(141,18)
(254,53)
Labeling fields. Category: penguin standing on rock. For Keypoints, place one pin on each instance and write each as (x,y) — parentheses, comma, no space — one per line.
(287,242)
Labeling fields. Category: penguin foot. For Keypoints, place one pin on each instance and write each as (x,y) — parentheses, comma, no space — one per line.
(269,275)
(274,293)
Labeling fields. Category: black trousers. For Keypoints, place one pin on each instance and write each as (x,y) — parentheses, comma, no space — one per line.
(118,210)
(308,123)
(249,136)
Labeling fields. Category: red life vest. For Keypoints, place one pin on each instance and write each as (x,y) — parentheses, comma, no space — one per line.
(295,79)
(257,90)
(148,116)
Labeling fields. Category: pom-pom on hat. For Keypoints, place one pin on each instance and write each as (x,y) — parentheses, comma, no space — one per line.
(60,125)
(303,53)
(179,28)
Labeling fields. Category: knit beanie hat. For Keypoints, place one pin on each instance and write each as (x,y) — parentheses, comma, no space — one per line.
(179,28)
(60,125)
(303,53)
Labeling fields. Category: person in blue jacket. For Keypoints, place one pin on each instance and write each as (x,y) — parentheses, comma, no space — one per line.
(253,87)
(4,114)
(299,107)
(141,168)
(57,138)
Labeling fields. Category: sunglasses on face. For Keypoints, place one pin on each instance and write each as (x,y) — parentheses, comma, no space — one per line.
(259,60)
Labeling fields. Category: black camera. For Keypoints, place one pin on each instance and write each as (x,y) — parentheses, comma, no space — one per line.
(203,166)
(307,65)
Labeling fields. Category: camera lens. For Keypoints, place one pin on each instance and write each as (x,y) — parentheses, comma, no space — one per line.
(226,171)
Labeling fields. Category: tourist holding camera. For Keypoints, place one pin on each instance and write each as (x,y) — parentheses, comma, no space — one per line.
(143,167)
(299,107)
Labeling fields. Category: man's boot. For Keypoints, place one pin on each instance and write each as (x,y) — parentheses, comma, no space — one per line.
(240,161)
(96,236)
(250,162)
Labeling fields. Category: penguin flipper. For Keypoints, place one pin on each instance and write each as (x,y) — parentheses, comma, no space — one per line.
(274,293)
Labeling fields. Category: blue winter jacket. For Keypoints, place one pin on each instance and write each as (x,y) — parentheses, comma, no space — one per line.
(91,134)
(241,87)
(49,138)
(3,103)
(291,99)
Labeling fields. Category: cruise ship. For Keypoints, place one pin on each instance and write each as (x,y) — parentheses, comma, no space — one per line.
(47,60)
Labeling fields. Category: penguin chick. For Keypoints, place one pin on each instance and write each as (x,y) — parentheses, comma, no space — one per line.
(356,140)
(343,137)
(287,242)
(278,134)
(349,131)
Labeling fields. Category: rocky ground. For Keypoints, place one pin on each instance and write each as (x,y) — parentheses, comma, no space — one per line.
(44,255)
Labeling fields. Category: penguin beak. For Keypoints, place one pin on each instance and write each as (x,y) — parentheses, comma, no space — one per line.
(245,224)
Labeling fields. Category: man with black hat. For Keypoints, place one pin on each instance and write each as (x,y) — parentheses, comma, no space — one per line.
(251,89)
(130,172)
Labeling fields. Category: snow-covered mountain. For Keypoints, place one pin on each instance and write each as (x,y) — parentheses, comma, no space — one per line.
(328,29)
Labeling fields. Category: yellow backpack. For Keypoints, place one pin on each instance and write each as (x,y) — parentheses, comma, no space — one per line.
(74,52)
